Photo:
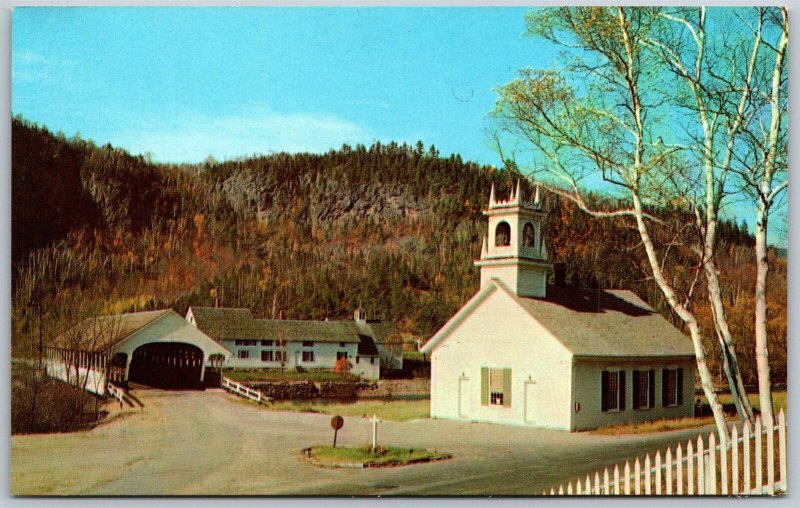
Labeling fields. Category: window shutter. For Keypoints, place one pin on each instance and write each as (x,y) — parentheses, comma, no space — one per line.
(604,391)
(664,387)
(651,377)
(637,383)
(622,390)
(680,386)
(506,387)
(484,386)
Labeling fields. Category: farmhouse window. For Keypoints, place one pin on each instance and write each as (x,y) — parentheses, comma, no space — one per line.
(266,342)
(671,387)
(495,387)
(358,359)
(308,356)
(341,344)
(372,360)
(612,390)
(266,356)
(308,343)
(244,354)
(341,354)
(644,389)
(241,342)
(280,356)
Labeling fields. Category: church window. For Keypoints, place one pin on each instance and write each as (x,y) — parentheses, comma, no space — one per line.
(643,389)
(671,387)
(528,235)
(308,356)
(502,234)
(495,387)
(612,388)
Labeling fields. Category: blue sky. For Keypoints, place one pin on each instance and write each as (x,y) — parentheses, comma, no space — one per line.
(188,83)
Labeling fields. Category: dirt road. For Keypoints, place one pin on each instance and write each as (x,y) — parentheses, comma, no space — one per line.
(211,443)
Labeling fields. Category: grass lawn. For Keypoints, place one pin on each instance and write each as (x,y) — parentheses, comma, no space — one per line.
(381,456)
(249,376)
(397,410)
(778,400)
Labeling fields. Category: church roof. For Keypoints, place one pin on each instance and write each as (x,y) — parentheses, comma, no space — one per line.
(102,332)
(591,322)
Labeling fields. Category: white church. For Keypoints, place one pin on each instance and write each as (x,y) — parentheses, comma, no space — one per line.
(522,353)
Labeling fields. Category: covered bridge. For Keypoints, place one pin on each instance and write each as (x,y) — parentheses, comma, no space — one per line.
(156,348)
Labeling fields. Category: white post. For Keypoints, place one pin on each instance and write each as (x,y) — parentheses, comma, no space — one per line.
(711,475)
(759,461)
(668,460)
(770,457)
(746,457)
(679,483)
(658,472)
(782,448)
(734,461)
(374,421)
(690,468)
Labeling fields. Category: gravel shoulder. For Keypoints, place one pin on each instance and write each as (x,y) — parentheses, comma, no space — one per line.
(209,443)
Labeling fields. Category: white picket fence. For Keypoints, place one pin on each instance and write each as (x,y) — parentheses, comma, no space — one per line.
(244,391)
(704,468)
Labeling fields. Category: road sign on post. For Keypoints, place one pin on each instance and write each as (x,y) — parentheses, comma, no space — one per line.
(375,420)
(337,422)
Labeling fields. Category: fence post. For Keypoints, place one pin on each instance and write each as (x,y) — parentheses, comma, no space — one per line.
(637,479)
(578,491)
(560,490)
(627,472)
(569,489)
(668,460)
(596,483)
(606,490)
(746,458)
(701,470)
(587,487)
(734,460)
(647,476)
(723,464)
(759,461)
(616,480)
(782,448)
(658,472)
(680,471)
(770,457)
(690,468)
(711,474)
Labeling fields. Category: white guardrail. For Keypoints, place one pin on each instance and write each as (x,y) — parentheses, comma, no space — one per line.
(114,391)
(244,391)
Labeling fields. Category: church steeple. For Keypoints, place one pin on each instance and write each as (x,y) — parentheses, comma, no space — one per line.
(515,251)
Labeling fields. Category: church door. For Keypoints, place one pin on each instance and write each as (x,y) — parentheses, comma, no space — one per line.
(463,398)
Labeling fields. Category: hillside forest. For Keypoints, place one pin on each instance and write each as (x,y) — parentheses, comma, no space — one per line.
(393,228)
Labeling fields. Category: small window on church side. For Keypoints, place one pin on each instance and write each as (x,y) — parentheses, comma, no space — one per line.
(502,234)
(528,235)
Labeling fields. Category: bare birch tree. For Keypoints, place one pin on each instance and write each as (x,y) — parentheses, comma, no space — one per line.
(761,163)
(606,129)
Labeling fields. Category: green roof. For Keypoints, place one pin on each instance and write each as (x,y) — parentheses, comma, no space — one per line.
(232,324)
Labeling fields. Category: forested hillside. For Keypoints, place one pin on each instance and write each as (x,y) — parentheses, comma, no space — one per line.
(394,228)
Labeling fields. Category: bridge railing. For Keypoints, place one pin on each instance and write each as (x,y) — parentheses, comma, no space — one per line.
(244,391)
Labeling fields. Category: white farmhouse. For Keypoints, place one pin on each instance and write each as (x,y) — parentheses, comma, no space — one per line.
(522,353)
(296,344)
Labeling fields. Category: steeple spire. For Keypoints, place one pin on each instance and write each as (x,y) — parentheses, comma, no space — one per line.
(491,195)
(517,195)
(484,249)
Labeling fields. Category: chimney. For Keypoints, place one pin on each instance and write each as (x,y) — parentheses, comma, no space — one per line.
(559,274)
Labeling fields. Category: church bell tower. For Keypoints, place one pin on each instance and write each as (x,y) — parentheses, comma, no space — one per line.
(514,251)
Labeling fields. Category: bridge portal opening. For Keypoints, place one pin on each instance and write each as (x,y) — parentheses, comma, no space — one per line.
(167,365)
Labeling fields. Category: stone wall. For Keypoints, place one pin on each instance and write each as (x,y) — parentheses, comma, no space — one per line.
(287,389)
(336,390)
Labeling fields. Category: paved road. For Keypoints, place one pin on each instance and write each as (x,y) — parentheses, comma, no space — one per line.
(211,443)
